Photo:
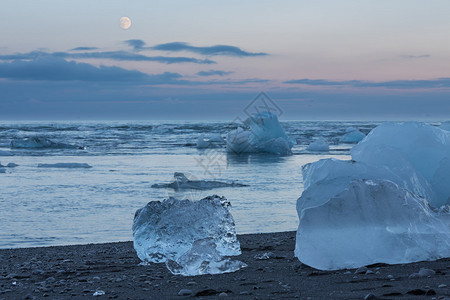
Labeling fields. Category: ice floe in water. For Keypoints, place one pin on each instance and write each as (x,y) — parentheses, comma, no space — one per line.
(382,206)
(352,135)
(182,182)
(318,145)
(66,165)
(264,134)
(193,236)
(9,165)
(40,143)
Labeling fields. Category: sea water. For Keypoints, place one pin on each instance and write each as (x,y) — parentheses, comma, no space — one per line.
(43,206)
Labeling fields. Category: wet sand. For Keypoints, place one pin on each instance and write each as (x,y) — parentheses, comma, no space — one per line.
(79,271)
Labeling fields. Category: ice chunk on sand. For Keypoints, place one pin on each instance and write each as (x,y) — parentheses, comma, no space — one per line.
(264,134)
(209,141)
(369,221)
(65,165)
(426,147)
(318,145)
(168,229)
(203,258)
(40,143)
(334,175)
(352,135)
(181,182)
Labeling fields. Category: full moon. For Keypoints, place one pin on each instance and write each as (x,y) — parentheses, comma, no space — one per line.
(125,22)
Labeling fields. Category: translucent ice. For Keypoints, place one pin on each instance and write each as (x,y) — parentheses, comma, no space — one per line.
(369,221)
(318,145)
(181,182)
(168,229)
(427,148)
(203,258)
(264,134)
(352,135)
(40,143)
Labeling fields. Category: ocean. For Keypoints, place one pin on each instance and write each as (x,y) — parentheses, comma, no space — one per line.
(43,204)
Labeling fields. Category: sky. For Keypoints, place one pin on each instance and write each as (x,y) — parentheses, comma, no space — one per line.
(207,60)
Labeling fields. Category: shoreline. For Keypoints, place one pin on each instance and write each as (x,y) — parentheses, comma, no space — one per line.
(78,271)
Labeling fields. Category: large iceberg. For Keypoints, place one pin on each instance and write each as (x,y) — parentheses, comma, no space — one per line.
(172,231)
(264,134)
(381,206)
(40,143)
(369,221)
(181,182)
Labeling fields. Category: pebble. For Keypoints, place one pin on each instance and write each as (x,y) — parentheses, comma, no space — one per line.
(369,272)
(223,294)
(370,297)
(244,293)
(426,272)
(390,277)
(191,283)
(185,292)
(442,286)
(361,270)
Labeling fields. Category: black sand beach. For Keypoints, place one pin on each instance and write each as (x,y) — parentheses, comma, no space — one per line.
(79,271)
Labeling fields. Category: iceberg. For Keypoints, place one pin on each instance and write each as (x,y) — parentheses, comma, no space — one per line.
(388,204)
(352,135)
(66,165)
(264,134)
(318,145)
(209,141)
(181,182)
(166,230)
(40,143)
(203,258)
(369,221)
(425,147)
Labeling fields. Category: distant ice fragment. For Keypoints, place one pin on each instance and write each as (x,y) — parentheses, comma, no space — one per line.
(318,145)
(209,141)
(369,221)
(182,182)
(352,135)
(2,170)
(65,165)
(168,229)
(203,258)
(5,153)
(12,165)
(40,143)
(264,134)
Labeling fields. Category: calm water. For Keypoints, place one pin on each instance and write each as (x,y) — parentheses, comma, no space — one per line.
(55,206)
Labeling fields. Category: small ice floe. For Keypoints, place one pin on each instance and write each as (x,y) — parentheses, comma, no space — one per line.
(5,153)
(66,165)
(352,135)
(383,206)
(318,145)
(264,135)
(209,141)
(192,237)
(182,182)
(40,143)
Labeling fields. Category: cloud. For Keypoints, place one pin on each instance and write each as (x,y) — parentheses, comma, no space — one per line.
(58,69)
(137,45)
(394,84)
(214,73)
(415,56)
(211,50)
(84,49)
(113,55)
